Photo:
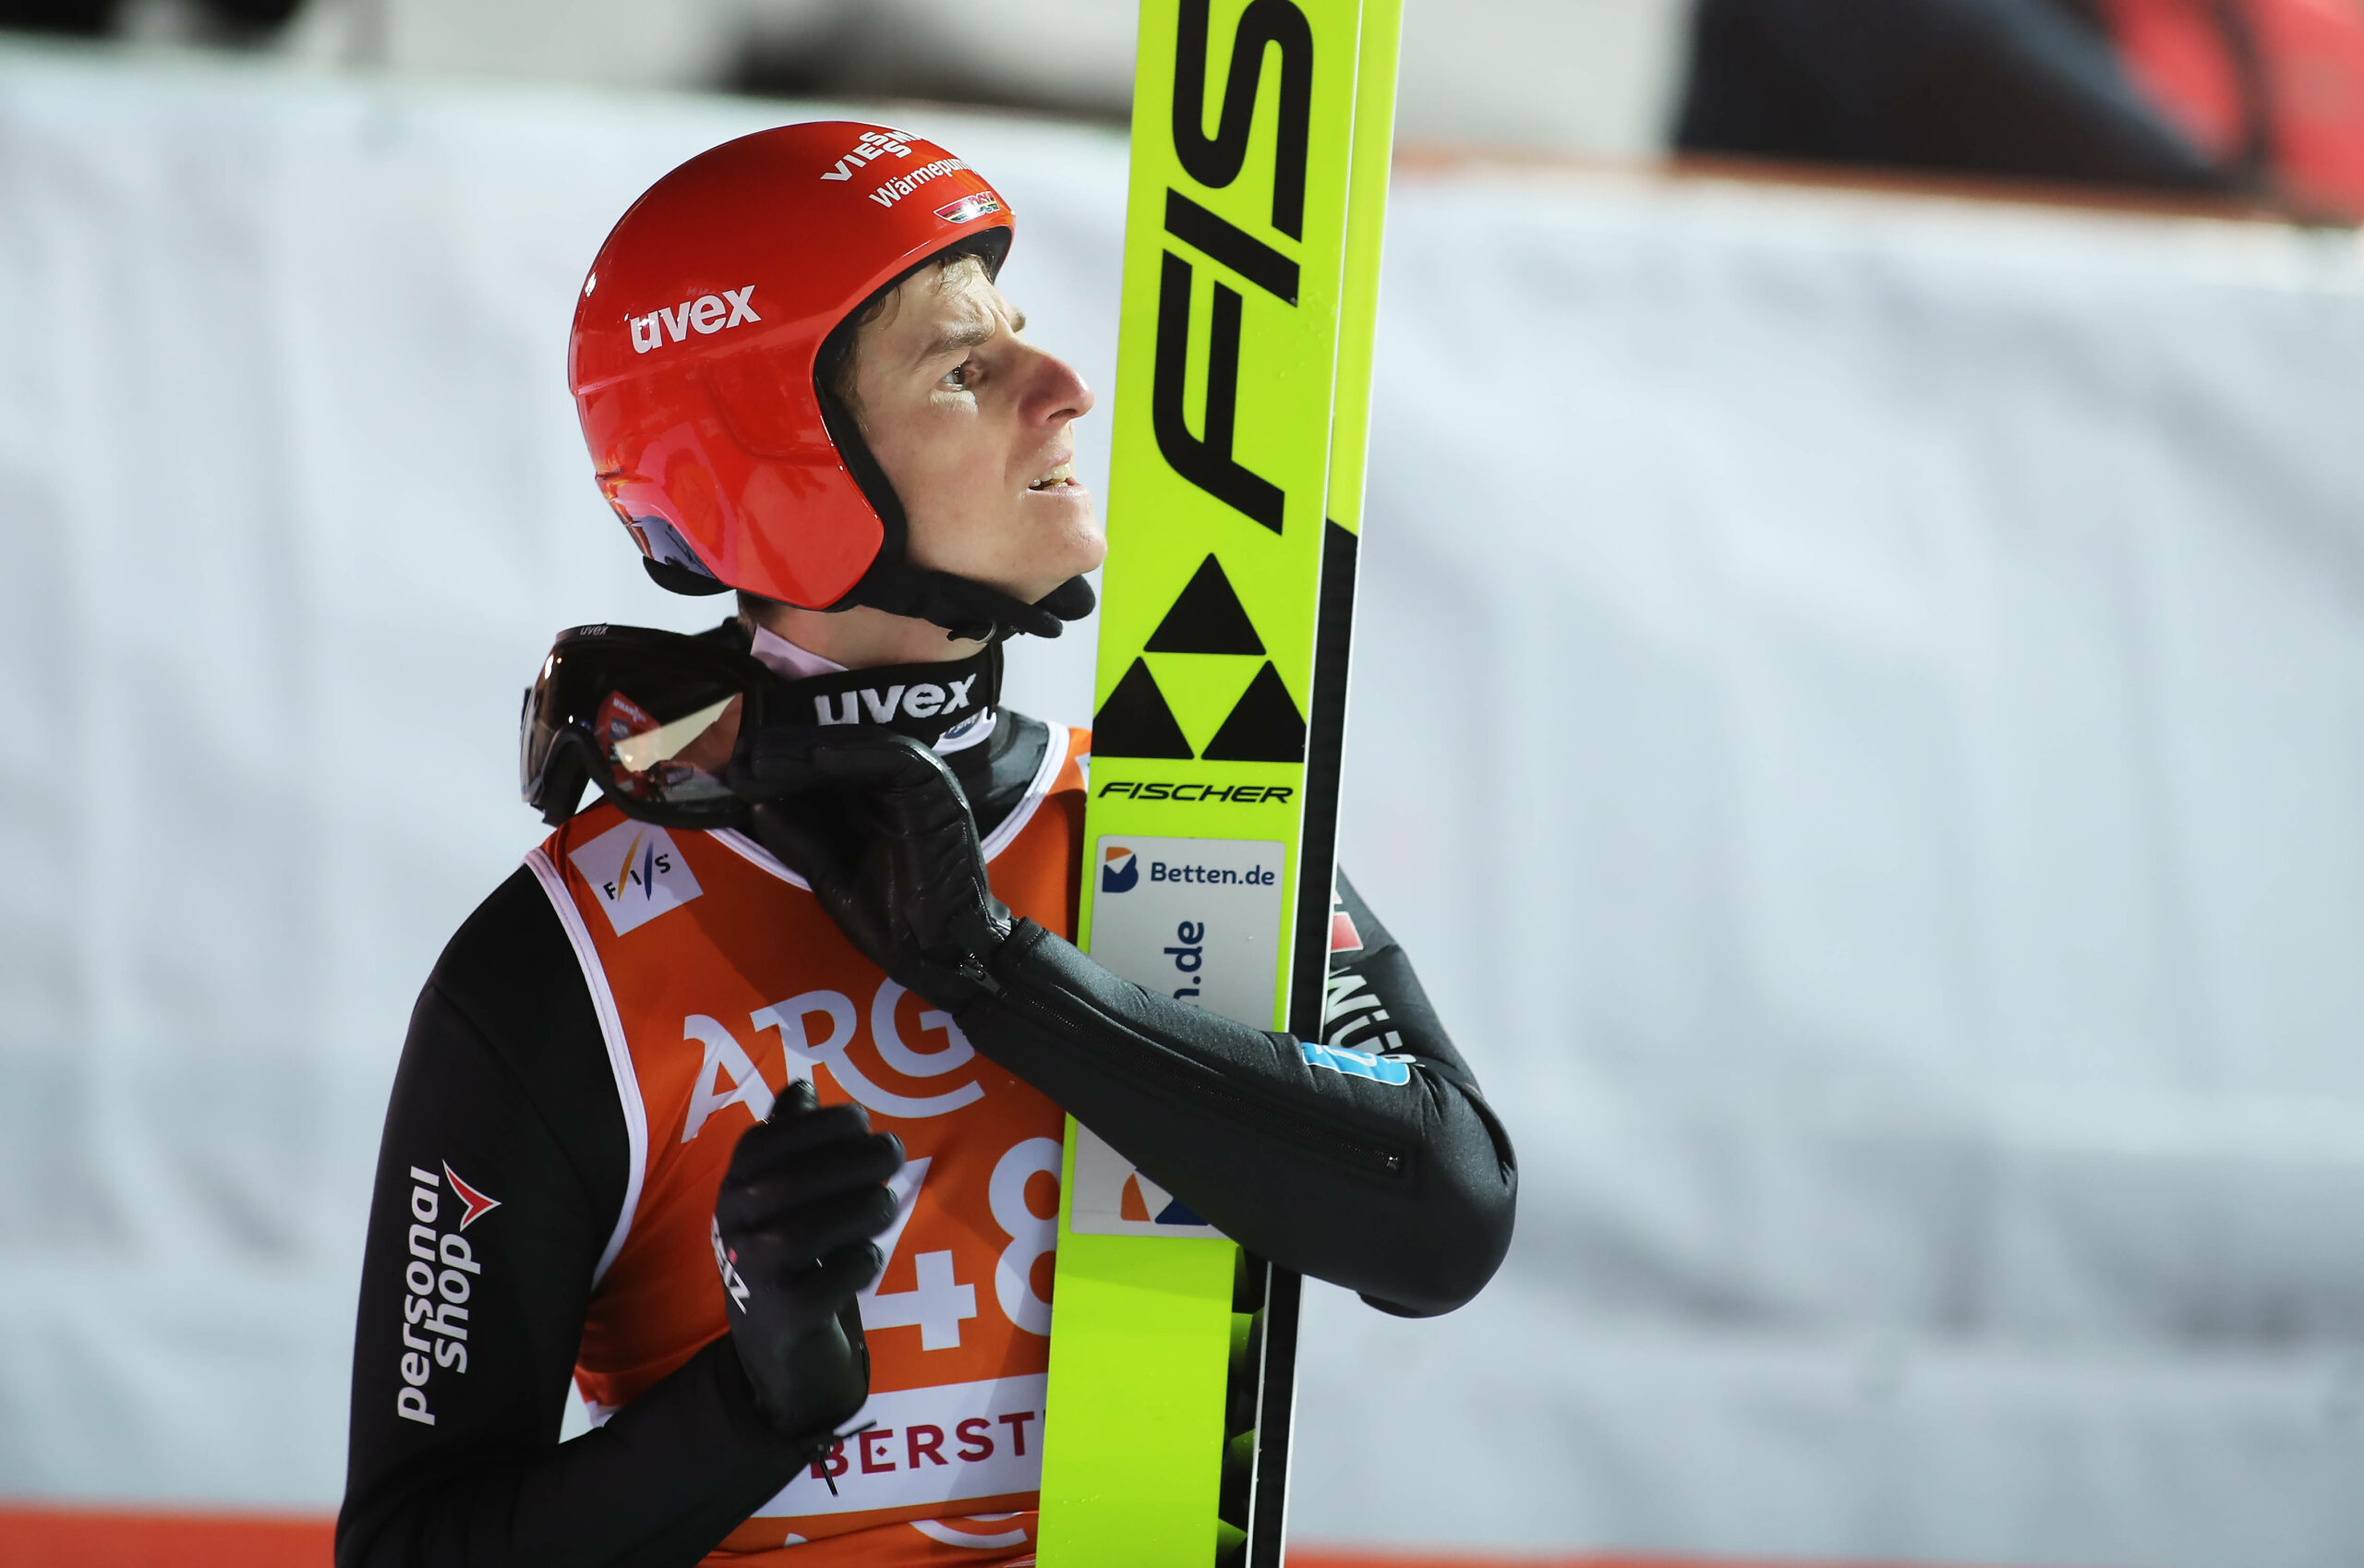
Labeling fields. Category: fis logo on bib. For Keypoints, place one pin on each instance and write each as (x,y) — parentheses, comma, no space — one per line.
(637,872)
(1118,871)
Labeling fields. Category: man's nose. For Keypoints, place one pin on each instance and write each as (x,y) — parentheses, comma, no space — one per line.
(1055,392)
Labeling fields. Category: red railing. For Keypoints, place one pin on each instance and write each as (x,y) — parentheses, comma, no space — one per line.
(32,1536)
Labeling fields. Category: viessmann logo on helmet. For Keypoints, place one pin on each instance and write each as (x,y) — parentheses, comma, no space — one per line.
(874,144)
(707,313)
(902,181)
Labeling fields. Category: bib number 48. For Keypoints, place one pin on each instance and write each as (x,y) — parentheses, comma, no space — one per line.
(939,1302)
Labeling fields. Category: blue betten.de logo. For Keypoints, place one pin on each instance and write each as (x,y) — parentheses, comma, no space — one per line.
(1119,872)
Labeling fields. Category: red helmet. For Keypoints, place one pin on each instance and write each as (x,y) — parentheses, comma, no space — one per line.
(694,360)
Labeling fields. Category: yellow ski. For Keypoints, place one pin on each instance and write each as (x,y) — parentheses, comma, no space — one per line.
(1261,133)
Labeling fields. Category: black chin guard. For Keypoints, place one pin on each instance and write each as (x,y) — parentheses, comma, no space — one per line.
(962,608)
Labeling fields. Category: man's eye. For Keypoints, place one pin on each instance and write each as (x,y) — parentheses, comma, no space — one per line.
(959,376)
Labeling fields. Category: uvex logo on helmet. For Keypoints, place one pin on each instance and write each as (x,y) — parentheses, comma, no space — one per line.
(705,314)
(717,450)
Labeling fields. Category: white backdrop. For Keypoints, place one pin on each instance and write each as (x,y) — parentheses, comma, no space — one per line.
(1861,721)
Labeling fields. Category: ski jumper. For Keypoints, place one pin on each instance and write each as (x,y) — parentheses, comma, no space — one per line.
(591,1044)
(726,979)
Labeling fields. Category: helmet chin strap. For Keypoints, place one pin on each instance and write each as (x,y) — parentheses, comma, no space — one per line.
(963,608)
(960,606)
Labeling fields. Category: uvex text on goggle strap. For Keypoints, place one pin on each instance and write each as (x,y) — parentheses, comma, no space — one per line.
(653,718)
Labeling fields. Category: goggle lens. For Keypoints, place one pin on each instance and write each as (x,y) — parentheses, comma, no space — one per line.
(651,718)
(677,760)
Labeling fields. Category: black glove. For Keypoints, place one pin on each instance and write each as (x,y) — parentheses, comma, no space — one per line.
(878,825)
(804,1193)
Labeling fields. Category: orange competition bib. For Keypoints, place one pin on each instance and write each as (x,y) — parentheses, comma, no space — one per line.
(717,978)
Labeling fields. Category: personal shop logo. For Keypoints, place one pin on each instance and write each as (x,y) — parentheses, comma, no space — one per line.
(1118,871)
(475,1205)
(637,872)
(439,1273)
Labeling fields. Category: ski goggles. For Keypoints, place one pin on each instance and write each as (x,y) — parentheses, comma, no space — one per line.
(651,718)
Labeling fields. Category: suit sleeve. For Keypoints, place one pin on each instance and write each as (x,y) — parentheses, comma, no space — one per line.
(500,1178)
(1367,1158)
